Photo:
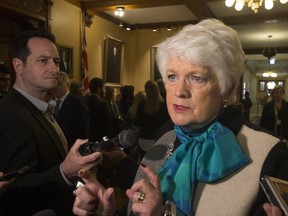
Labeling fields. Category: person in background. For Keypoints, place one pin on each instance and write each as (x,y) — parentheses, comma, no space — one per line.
(129,121)
(129,124)
(151,114)
(275,113)
(126,100)
(100,114)
(72,112)
(247,105)
(5,80)
(117,120)
(76,88)
(162,89)
(30,135)
(209,151)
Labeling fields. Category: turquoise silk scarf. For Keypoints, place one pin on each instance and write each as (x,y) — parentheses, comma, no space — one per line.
(207,156)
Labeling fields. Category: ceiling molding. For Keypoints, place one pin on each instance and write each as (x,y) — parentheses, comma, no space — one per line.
(199,8)
(107,5)
(260,51)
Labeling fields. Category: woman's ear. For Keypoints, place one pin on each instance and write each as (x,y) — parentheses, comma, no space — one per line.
(230,95)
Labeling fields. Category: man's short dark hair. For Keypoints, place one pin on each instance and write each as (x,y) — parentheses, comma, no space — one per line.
(4,69)
(95,84)
(20,47)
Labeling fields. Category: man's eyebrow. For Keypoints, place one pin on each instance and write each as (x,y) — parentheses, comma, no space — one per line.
(43,56)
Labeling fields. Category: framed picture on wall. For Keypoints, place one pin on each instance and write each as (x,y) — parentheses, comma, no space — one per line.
(280,83)
(113,57)
(262,85)
(154,71)
(66,59)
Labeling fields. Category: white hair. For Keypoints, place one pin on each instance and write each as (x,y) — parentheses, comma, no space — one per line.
(211,44)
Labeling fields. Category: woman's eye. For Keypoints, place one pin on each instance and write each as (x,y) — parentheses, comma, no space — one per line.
(197,79)
(171,77)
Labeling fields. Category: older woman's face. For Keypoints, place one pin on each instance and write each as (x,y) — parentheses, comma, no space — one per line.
(193,94)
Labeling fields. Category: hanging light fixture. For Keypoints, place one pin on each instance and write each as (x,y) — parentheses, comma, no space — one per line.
(119,11)
(253,4)
(269,74)
(269,51)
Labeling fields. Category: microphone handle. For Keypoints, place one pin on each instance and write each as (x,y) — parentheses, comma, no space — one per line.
(90,147)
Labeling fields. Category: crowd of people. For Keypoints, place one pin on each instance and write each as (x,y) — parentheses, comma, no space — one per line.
(196,150)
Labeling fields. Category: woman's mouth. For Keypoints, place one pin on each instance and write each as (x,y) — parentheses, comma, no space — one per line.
(180,108)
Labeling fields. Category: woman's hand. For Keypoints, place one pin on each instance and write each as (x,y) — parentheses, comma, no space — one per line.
(272,210)
(146,196)
(92,198)
(3,184)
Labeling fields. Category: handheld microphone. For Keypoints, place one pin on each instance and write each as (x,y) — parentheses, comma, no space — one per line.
(125,139)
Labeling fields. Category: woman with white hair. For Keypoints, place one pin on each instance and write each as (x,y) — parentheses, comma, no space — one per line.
(210,161)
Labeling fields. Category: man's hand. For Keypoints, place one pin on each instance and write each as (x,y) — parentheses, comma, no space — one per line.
(74,161)
(93,198)
(3,184)
(272,210)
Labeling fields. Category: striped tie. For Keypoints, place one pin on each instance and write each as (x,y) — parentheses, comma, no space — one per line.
(57,107)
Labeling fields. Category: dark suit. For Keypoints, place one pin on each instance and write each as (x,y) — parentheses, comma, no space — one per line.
(74,118)
(27,138)
(100,118)
(268,118)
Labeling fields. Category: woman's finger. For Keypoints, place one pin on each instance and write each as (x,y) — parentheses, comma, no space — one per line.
(152,176)
(83,208)
(90,181)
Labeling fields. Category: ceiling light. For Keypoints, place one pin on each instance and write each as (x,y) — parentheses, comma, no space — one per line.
(272,61)
(253,4)
(121,24)
(269,74)
(169,27)
(271,85)
(269,51)
(128,28)
(119,11)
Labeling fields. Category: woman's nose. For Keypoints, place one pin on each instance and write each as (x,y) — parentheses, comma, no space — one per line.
(182,90)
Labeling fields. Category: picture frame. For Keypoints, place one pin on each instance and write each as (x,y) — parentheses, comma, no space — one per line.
(280,83)
(66,59)
(113,59)
(262,86)
(154,71)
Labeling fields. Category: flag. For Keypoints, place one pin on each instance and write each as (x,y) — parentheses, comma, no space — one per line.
(84,63)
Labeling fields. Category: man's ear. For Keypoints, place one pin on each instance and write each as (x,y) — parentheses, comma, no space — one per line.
(17,64)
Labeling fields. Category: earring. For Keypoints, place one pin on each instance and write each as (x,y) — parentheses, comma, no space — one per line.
(224,102)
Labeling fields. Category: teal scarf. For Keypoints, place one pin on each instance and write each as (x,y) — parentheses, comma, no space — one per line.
(207,156)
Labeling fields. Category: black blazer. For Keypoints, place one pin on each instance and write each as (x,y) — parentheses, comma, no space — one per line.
(268,118)
(27,138)
(74,118)
(100,118)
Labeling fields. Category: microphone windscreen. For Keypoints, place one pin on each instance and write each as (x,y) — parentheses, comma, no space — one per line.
(48,212)
(128,138)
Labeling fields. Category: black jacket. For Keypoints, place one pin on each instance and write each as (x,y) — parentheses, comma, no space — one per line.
(27,138)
